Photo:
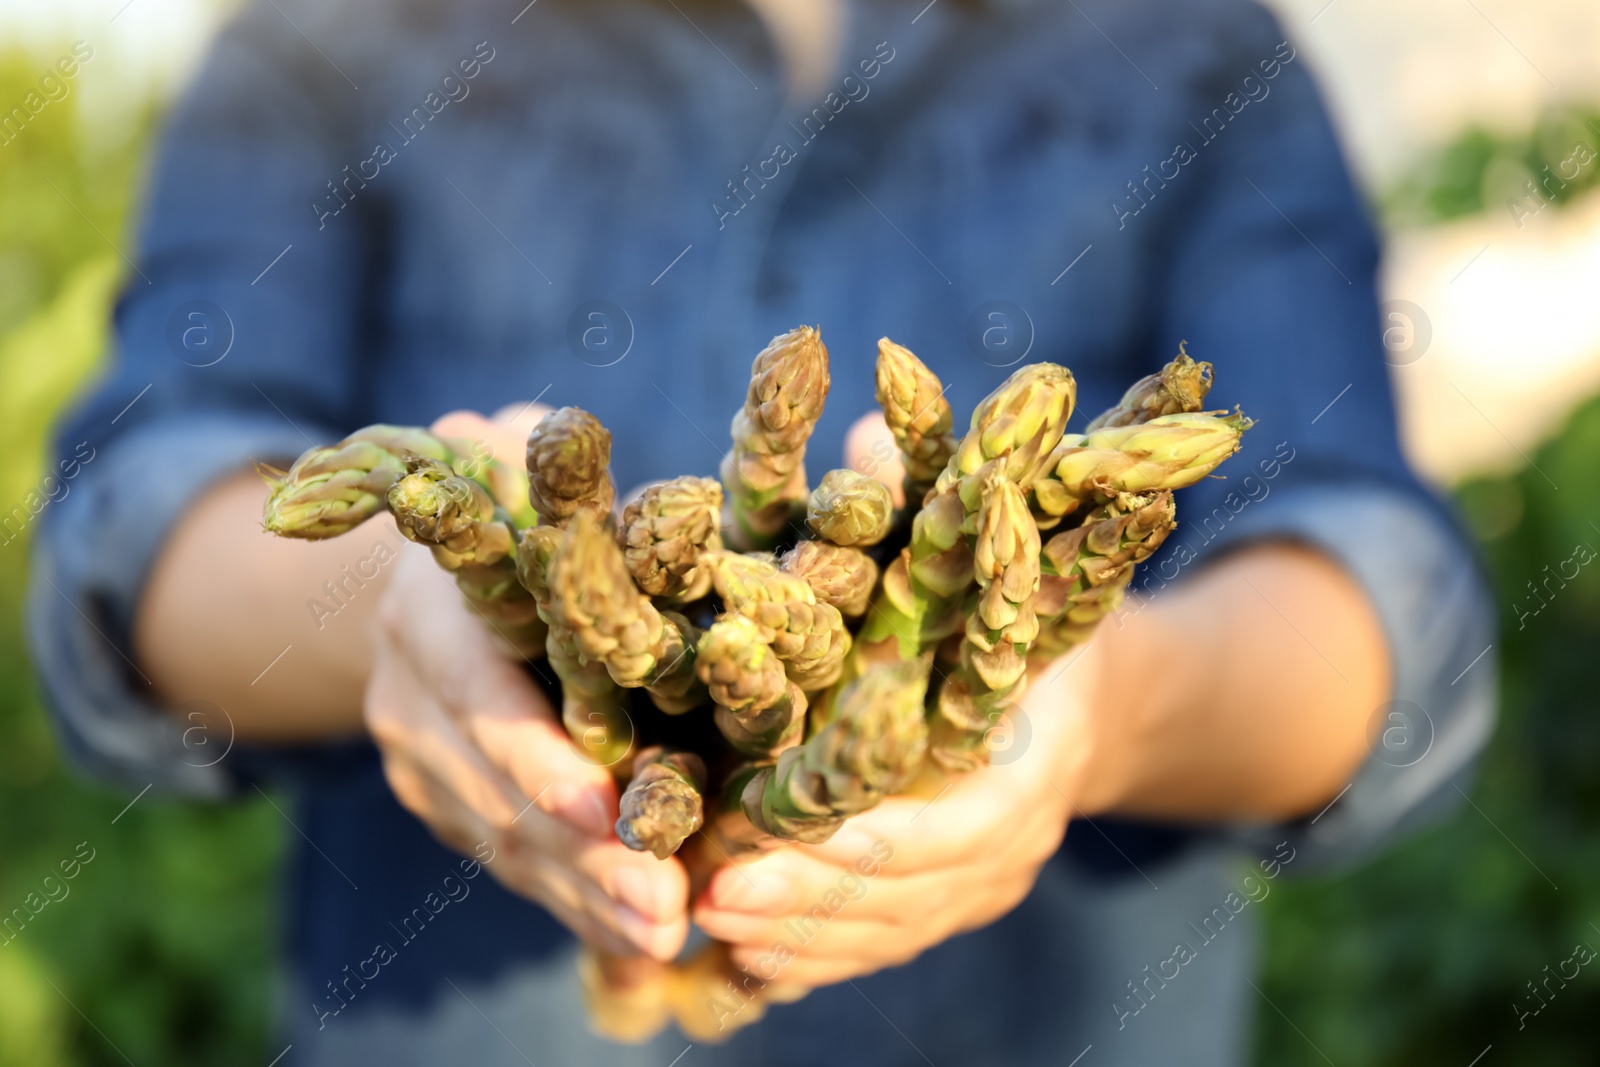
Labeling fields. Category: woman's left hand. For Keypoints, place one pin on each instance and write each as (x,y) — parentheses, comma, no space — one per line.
(918,869)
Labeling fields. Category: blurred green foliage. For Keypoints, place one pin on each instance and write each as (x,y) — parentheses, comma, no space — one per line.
(1418,957)
(167,938)
(1481,170)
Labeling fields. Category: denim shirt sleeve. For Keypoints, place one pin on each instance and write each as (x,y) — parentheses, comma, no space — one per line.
(1425,587)
(1271,271)
(234,340)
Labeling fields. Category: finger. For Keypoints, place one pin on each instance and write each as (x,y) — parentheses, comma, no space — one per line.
(991,812)
(507,716)
(766,889)
(403,719)
(793,883)
(656,889)
(871,942)
(815,892)
(424,796)
(531,876)
(782,991)
(524,871)
(511,721)
(522,416)
(539,867)
(660,939)
(496,439)
(633,894)
(869,448)
(874,943)
(802,971)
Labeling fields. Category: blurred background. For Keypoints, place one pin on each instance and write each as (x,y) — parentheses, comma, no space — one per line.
(1474,126)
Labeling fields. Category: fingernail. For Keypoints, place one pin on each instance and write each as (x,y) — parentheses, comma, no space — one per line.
(581,808)
(635,889)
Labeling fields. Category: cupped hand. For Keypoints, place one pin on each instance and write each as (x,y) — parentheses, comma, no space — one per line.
(917,869)
(472,747)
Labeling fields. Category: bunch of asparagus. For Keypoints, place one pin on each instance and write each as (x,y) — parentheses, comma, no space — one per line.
(802,651)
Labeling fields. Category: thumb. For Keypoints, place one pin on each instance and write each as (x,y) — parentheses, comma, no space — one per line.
(522,416)
(517,729)
(503,440)
(869,448)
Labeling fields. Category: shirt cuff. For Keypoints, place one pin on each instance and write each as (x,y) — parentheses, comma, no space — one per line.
(92,558)
(1438,618)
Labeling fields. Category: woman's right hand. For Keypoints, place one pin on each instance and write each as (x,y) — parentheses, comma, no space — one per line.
(472,747)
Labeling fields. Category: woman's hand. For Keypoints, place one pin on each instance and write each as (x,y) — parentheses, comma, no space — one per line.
(917,869)
(472,747)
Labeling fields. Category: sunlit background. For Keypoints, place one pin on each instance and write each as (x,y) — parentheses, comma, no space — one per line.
(1449,109)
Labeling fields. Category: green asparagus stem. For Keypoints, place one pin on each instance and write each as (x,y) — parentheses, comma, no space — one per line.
(328,491)
(593,594)
(1168,452)
(1088,568)
(1018,424)
(593,707)
(1181,386)
(998,634)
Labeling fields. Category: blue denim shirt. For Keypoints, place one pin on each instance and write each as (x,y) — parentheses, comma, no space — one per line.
(380,211)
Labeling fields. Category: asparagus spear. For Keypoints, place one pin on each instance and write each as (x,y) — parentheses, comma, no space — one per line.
(843,577)
(809,637)
(1168,452)
(850,509)
(764,473)
(665,531)
(849,512)
(568,457)
(998,634)
(566,461)
(593,707)
(330,490)
(758,709)
(474,540)
(1019,424)
(712,998)
(662,805)
(873,746)
(592,594)
(918,416)
(1181,386)
(1089,567)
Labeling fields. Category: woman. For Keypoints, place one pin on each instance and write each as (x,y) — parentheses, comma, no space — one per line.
(371,211)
